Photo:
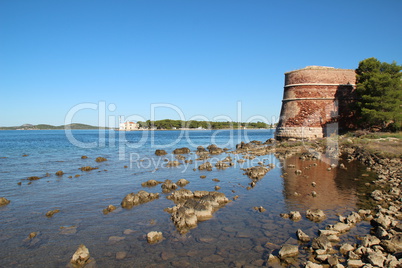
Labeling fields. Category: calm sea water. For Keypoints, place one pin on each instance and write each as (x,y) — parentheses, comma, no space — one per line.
(237,234)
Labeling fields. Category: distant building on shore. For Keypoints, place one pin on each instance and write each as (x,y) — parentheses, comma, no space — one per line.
(316,102)
(128,126)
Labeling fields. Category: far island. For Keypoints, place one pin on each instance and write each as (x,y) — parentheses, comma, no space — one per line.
(169,124)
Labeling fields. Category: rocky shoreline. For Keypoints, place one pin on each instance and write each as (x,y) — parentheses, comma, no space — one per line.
(382,247)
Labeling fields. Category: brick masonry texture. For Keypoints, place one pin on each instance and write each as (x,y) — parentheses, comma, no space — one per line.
(315,100)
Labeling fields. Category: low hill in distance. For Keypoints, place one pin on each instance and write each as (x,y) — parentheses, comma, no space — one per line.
(50,127)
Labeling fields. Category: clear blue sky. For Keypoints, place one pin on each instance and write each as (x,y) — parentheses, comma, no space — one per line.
(201,56)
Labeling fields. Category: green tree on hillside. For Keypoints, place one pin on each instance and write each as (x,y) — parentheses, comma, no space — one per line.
(379,90)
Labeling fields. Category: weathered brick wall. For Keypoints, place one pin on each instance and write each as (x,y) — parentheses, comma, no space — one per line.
(314,97)
(318,74)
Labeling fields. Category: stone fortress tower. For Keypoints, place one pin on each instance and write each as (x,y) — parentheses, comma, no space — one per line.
(316,102)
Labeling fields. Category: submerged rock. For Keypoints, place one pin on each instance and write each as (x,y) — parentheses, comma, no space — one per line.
(52,212)
(259,209)
(33,178)
(121,255)
(168,186)
(201,149)
(302,236)
(206,165)
(88,168)
(173,163)
(202,156)
(32,235)
(183,150)
(154,237)
(222,165)
(114,239)
(81,257)
(141,197)
(191,209)
(109,209)
(59,173)
(32,241)
(160,152)
(4,201)
(315,215)
(213,149)
(227,159)
(68,230)
(180,157)
(288,251)
(182,182)
(295,215)
(180,195)
(100,159)
(256,172)
(150,183)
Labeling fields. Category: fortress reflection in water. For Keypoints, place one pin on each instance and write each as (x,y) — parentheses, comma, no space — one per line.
(335,188)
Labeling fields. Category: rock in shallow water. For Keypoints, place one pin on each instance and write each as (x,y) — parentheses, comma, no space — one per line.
(160,152)
(191,209)
(205,166)
(182,182)
(183,150)
(154,237)
(321,242)
(4,201)
(302,236)
(109,209)
(100,159)
(288,251)
(150,183)
(259,209)
(141,197)
(256,172)
(50,213)
(128,231)
(168,186)
(121,255)
(295,215)
(315,215)
(80,257)
(173,163)
(68,230)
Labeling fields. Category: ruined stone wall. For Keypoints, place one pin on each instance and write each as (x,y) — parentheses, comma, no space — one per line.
(314,98)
